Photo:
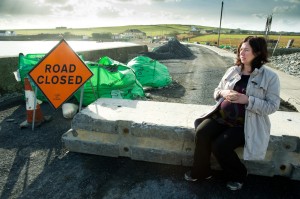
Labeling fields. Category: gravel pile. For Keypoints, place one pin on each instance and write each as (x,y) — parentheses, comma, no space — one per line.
(290,64)
(171,50)
(9,99)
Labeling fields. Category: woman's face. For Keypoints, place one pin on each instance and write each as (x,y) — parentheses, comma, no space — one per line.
(246,54)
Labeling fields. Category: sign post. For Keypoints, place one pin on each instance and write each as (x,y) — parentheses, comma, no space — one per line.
(60,74)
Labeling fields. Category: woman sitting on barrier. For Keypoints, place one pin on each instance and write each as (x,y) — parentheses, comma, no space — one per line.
(246,95)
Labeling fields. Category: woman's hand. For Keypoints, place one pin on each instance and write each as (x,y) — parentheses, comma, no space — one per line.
(234,97)
(225,93)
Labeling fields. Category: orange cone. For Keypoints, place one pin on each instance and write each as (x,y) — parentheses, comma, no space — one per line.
(30,96)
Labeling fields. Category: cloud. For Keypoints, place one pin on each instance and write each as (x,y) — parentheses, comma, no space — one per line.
(259,15)
(108,12)
(145,2)
(283,9)
(54,1)
(96,13)
(167,0)
(21,7)
(136,2)
(293,1)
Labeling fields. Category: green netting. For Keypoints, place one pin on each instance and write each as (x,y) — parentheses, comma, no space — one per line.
(26,63)
(111,79)
(150,72)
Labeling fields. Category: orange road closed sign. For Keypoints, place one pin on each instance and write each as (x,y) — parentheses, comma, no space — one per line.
(60,74)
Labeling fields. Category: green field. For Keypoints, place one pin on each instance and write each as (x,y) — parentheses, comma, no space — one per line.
(150,30)
(163,29)
(235,39)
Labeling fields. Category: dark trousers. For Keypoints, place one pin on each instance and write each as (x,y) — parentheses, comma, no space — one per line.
(221,140)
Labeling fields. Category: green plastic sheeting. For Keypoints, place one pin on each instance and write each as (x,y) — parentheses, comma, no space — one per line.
(150,72)
(26,63)
(111,79)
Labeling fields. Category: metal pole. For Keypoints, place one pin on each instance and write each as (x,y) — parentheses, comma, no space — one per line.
(95,96)
(81,97)
(276,45)
(220,24)
(34,107)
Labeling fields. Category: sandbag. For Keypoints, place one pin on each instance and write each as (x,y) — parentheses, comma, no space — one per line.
(111,79)
(150,72)
(69,110)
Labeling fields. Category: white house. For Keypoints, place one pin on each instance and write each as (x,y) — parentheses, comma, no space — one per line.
(194,30)
(7,33)
(134,33)
(85,37)
(116,36)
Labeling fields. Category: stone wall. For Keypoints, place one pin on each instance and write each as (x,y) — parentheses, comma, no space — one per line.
(283,51)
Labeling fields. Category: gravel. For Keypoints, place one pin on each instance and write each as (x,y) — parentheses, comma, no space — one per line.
(10,99)
(173,49)
(289,64)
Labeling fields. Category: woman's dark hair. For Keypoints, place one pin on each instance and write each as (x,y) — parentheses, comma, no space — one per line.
(259,49)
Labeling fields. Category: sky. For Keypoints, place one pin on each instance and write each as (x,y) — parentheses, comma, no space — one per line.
(243,14)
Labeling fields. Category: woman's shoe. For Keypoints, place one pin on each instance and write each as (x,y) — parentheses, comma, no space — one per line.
(188,177)
(234,186)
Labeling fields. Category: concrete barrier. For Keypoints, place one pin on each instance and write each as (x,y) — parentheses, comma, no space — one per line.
(8,65)
(164,133)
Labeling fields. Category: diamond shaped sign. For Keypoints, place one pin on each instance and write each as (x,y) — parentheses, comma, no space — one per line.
(60,74)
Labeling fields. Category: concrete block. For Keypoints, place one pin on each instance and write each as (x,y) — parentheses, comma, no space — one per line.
(164,133)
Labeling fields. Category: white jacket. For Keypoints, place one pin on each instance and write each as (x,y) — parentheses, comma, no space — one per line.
(263,90)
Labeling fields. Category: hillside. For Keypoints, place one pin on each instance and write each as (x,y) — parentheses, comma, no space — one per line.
(204,34)
(161,29)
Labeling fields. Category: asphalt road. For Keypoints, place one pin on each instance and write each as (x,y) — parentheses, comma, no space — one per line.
(33,163)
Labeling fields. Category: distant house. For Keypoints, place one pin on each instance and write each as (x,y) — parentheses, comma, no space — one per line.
(116,36)
(194,30)
(61,28)
(85,37)
(7,33)
(222,31)
(206,31)
(134,33)
(216,31)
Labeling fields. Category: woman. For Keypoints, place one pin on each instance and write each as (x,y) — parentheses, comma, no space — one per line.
(246,95)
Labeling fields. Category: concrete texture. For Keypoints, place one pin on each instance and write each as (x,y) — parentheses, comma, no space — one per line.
(289,88)
(164,133)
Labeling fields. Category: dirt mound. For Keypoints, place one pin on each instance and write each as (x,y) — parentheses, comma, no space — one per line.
(171,50)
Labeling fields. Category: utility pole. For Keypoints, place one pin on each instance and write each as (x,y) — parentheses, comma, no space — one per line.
(220,24)
(268,26)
